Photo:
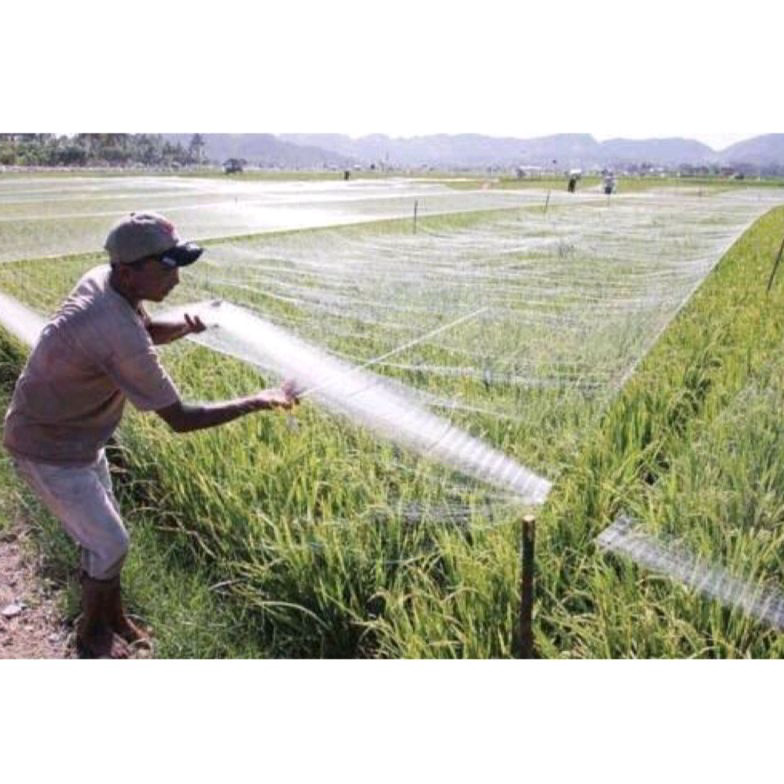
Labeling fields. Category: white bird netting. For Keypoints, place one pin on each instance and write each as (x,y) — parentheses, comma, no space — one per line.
(515,323)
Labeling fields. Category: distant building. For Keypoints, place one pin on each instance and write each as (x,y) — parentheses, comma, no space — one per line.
(234,165)
(528,171)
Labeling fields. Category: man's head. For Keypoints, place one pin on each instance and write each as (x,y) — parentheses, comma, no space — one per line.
(145,252)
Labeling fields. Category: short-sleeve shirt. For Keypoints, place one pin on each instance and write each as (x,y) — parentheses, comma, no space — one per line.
(93,354)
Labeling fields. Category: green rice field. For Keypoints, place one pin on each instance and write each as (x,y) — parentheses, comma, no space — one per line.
(623,348)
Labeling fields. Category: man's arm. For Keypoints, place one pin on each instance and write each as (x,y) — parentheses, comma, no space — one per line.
(184,417)
(168,331)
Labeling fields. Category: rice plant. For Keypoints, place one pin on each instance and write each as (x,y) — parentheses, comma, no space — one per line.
(320,540)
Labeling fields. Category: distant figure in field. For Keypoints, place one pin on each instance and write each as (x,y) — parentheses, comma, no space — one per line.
(572,184)
(346,175)
(97,351)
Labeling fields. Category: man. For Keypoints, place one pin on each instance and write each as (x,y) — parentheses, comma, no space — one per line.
(95,352)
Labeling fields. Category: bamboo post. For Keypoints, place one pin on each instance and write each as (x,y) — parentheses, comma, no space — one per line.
(416,204)
(526,642)
(775,266)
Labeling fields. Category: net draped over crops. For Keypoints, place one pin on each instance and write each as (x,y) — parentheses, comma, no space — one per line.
(515,316)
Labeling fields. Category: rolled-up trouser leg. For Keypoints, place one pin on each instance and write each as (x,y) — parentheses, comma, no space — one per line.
(81,498)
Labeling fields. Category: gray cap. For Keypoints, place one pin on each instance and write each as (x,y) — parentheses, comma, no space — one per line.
(143,234)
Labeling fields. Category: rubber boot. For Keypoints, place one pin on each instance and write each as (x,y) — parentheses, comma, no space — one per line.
(95,638)
(121,623)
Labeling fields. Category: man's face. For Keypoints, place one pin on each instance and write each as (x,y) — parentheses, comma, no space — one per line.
(152,280)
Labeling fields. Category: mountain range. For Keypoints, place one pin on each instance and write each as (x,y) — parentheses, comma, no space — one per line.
(304,150)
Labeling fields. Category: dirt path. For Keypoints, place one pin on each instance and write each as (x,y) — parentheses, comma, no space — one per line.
(31,622)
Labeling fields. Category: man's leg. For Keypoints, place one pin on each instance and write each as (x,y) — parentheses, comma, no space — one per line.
(95,636)
(119,621)
(77,497)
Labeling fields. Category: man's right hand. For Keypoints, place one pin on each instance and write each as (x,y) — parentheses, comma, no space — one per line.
(285,396)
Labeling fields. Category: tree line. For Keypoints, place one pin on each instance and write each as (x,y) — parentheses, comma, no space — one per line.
(98,149)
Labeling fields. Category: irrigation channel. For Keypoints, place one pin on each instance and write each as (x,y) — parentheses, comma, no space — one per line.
(480,347)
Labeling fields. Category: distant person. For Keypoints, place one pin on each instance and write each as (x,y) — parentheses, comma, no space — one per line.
(572,184)
(346,175)
(96,352)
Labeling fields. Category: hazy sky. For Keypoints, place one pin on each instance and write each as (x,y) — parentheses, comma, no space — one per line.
(633,69)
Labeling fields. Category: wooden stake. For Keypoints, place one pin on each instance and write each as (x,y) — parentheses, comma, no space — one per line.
(416,204)
(775,266)
(526,646)
(547,203)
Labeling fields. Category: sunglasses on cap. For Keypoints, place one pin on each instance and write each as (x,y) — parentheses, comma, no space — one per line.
(179,256)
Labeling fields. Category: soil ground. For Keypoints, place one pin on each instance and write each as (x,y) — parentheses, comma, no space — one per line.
(31,618)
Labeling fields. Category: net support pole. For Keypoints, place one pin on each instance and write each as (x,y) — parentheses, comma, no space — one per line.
(528,540)
(775,266)
(416,205)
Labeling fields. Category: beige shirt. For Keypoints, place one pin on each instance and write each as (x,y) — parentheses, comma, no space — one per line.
(93,354)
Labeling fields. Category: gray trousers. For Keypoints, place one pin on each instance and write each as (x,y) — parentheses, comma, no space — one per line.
(81,498)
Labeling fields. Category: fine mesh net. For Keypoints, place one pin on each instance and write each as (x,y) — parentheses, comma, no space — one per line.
(624,537)
(55,216)
(490,336)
